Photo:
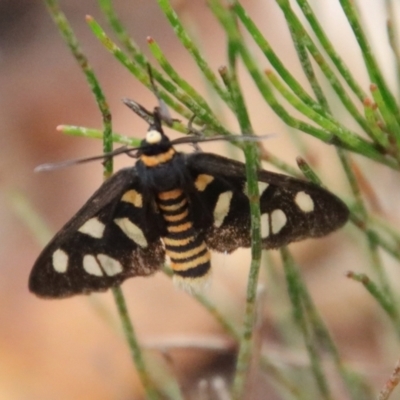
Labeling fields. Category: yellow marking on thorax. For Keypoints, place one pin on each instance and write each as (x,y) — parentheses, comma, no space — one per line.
(191,264)
(186,254)
(178,217)
(179,228)
(153,161)
(170,195)
(133,197)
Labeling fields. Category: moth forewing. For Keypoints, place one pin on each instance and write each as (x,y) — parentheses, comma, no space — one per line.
(91,252)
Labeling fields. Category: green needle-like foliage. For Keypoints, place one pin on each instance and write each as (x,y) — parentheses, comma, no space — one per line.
(375,110)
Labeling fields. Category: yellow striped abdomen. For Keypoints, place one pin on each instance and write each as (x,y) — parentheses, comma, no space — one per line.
(190,258)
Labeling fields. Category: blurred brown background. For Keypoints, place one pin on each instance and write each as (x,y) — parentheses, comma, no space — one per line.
(73,349)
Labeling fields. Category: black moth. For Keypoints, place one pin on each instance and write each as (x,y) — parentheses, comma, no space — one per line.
(179,205)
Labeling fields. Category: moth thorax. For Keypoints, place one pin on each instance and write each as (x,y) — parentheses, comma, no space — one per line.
(153,136)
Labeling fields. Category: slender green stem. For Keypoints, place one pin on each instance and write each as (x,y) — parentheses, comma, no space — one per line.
(379,119)
(139,72)
(375,123)
(346,138)
(299,31)
(142,75)
(393,35)
(229,327)
(391,383)
(374,290)
(316,333)
(183,36)
(26,212)
(308,69)
(277,162)
(330,50)
(296,294)
(392,126)
(136,351)
(206,112)
(262,85)
(372,246)
(355,385)
(92,133)
(171,72)
(73,44)
(375,237)
(269,53)
(252,165)
(122,34)
(370,61)
(387,228)
(373,243)
(307,171)
(142,61)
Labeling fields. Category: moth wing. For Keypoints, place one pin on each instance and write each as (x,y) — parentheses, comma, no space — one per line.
(291,209)
(115,235)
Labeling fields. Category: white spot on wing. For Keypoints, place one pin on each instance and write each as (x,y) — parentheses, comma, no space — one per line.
(132,231)
(278,220)
(262,186)
(93,227)
(221,209)
(264,225)
(60,261)
(304,202)
(91,265)
(110,265)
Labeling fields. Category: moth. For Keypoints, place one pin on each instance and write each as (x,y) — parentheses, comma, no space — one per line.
(180,205)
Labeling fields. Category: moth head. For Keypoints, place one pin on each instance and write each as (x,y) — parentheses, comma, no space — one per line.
(155,141)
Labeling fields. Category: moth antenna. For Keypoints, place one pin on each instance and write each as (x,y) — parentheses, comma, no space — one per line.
(152,118)
(68,163)
(162,109)
(139,110)
(233,139)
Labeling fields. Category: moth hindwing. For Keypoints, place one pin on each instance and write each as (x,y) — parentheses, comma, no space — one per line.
(180,205)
